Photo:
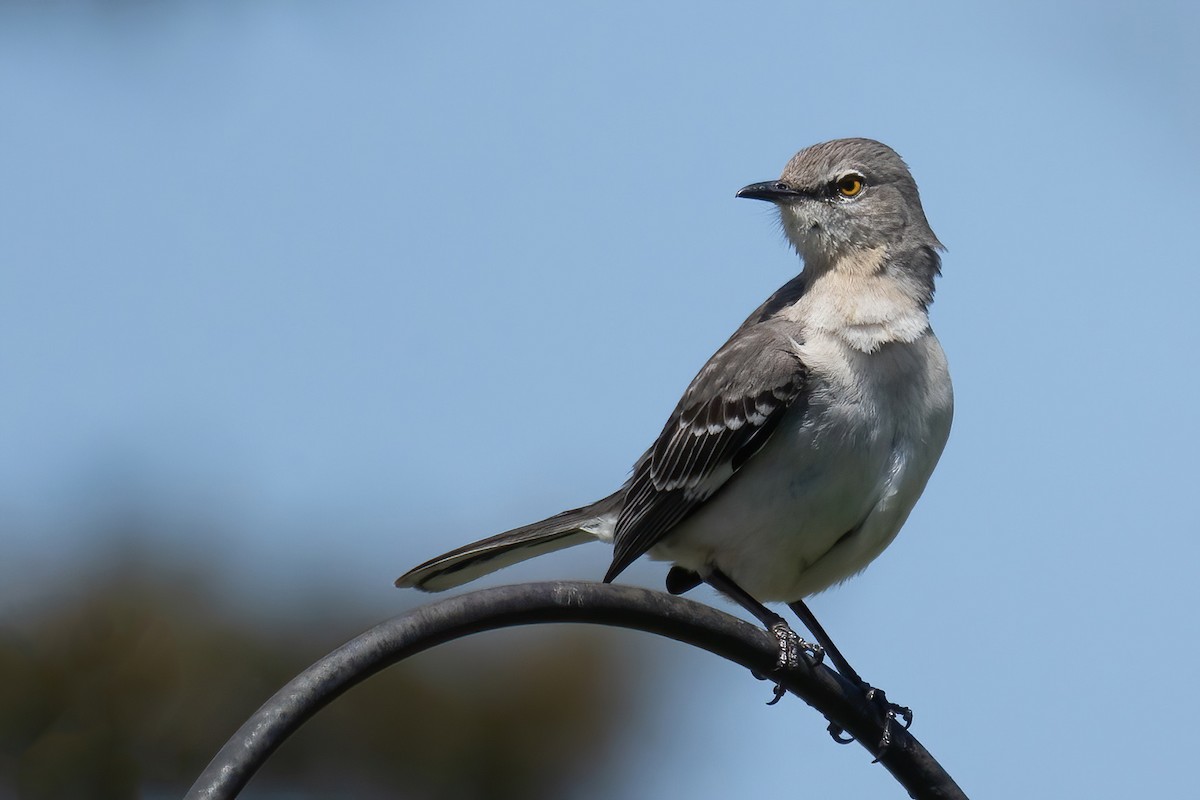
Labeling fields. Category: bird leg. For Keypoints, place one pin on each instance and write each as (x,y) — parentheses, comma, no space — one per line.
(791,646)
(835,655)
(680,580)
(890,711)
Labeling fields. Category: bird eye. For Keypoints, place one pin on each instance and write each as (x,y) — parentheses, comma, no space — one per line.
(850,185)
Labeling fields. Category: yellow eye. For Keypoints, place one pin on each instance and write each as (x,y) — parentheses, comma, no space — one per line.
(850,185)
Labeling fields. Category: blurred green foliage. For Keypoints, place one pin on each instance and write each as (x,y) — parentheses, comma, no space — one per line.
(129,683)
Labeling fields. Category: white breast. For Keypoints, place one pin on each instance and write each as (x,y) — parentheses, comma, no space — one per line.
(837,479)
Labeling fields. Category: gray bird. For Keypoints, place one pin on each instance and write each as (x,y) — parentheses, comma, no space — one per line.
(798,451)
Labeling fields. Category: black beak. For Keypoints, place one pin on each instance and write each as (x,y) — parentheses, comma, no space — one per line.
(775,191)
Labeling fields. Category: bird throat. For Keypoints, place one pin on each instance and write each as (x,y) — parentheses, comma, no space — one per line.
(854,299)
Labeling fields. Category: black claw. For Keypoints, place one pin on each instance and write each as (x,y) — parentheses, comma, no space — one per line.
(777,692)
(836,732)
(891,711)
(885,741)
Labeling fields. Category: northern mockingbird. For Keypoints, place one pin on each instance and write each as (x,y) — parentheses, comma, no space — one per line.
(800,448)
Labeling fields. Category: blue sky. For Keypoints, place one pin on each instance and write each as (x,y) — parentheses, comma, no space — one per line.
(363,281)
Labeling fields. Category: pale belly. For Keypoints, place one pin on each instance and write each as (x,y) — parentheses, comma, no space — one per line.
(832,487)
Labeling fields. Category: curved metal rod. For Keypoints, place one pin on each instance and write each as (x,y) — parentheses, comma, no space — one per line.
(561,601)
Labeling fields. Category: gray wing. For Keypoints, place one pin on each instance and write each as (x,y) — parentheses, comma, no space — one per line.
(727,413)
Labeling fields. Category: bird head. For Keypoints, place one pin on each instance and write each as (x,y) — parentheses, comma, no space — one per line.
(841,198)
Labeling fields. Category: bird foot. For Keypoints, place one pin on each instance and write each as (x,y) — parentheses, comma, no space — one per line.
(888,710)
(791,646)
(791,649)
(891,713)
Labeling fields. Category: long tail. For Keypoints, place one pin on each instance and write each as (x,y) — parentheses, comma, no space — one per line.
(474,560)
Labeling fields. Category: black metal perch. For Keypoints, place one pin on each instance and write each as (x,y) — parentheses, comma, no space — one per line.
(563,601)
